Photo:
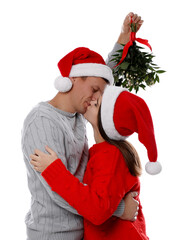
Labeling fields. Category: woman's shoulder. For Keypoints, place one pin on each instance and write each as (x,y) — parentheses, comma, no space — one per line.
(104,147)
(105,154)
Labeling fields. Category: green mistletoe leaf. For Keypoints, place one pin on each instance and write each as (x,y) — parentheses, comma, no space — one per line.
(160,71)
(124,65)
(137,70)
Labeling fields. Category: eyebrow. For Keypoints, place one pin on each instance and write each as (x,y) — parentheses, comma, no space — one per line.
(99,89)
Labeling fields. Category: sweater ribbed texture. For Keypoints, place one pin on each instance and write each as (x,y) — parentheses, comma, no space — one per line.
(51,217)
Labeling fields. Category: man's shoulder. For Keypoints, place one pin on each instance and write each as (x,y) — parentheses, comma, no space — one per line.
(37,114)
(42,109)
(43,116)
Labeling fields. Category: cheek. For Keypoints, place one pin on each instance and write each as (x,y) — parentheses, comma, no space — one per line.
(91,114)
(79,95)
(94,115)
(86,93)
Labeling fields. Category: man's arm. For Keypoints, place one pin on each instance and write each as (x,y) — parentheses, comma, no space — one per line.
(124,36)
(128,205)
(42,132)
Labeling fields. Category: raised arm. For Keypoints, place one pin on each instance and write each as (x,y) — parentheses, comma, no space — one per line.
(124,36)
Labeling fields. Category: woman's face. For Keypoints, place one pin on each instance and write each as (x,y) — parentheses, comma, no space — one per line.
(91,114)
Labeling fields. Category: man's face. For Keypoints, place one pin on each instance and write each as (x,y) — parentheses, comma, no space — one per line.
(86,90)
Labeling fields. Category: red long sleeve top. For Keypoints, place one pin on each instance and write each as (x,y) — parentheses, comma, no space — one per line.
(106,181)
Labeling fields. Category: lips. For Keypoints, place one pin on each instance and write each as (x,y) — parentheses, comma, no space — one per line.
(88,104)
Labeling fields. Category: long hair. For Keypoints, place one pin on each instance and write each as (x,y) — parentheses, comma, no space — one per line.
(128,151)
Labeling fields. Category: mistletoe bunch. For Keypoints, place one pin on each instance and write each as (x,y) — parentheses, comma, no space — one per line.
(137,70)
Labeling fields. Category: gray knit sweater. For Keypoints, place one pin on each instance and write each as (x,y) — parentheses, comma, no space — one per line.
(51,217)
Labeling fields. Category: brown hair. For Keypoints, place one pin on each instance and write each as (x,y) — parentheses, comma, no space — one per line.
(85,77)
(128,151)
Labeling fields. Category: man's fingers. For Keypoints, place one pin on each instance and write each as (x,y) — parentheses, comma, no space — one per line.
(131,14)
(134,219)
(134,194)
(141,22)
(138,19)
(135,17)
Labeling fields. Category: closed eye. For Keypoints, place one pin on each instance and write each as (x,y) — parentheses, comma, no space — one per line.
(95,90)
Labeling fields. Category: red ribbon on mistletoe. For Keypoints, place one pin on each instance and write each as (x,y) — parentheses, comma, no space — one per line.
(130,43)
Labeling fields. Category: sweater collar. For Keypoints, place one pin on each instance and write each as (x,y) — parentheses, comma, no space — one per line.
(67,114)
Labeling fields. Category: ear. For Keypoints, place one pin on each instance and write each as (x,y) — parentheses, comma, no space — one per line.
(73,79)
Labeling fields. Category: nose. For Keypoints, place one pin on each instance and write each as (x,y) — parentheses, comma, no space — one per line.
(96,95)
(93,102)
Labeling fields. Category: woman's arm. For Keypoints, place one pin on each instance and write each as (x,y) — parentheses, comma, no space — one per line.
(98,201)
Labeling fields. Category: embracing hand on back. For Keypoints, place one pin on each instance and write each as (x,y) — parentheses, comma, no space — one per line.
(131,207)
(41,160)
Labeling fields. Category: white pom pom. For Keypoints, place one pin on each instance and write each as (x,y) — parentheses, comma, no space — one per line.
(153,168)
(63,84)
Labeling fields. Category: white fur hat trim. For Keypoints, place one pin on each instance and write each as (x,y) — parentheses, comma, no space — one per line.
(107,111)
(92,70)
(153,168)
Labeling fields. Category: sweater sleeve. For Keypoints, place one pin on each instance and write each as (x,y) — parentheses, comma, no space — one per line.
(116,47)
(120,209)
(98,201)
(39,133)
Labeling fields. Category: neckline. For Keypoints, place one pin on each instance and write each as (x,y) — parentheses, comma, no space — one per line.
(67,114)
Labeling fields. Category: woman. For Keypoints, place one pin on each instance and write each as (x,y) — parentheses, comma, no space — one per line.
(113,167)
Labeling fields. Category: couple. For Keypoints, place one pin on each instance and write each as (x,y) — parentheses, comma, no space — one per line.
(62,195)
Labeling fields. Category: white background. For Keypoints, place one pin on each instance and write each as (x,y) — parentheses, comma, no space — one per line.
(34,36)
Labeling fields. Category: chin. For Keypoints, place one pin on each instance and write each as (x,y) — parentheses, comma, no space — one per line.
(83,111)
(86,116)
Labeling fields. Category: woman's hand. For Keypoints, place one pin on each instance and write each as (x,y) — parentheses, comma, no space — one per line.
(41,160)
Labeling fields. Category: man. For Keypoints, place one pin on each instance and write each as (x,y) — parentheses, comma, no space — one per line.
(59,124)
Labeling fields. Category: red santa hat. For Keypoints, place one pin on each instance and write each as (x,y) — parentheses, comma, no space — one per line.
(81,62)
(124,113)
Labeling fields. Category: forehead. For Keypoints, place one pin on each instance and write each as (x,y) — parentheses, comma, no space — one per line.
(97,82)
